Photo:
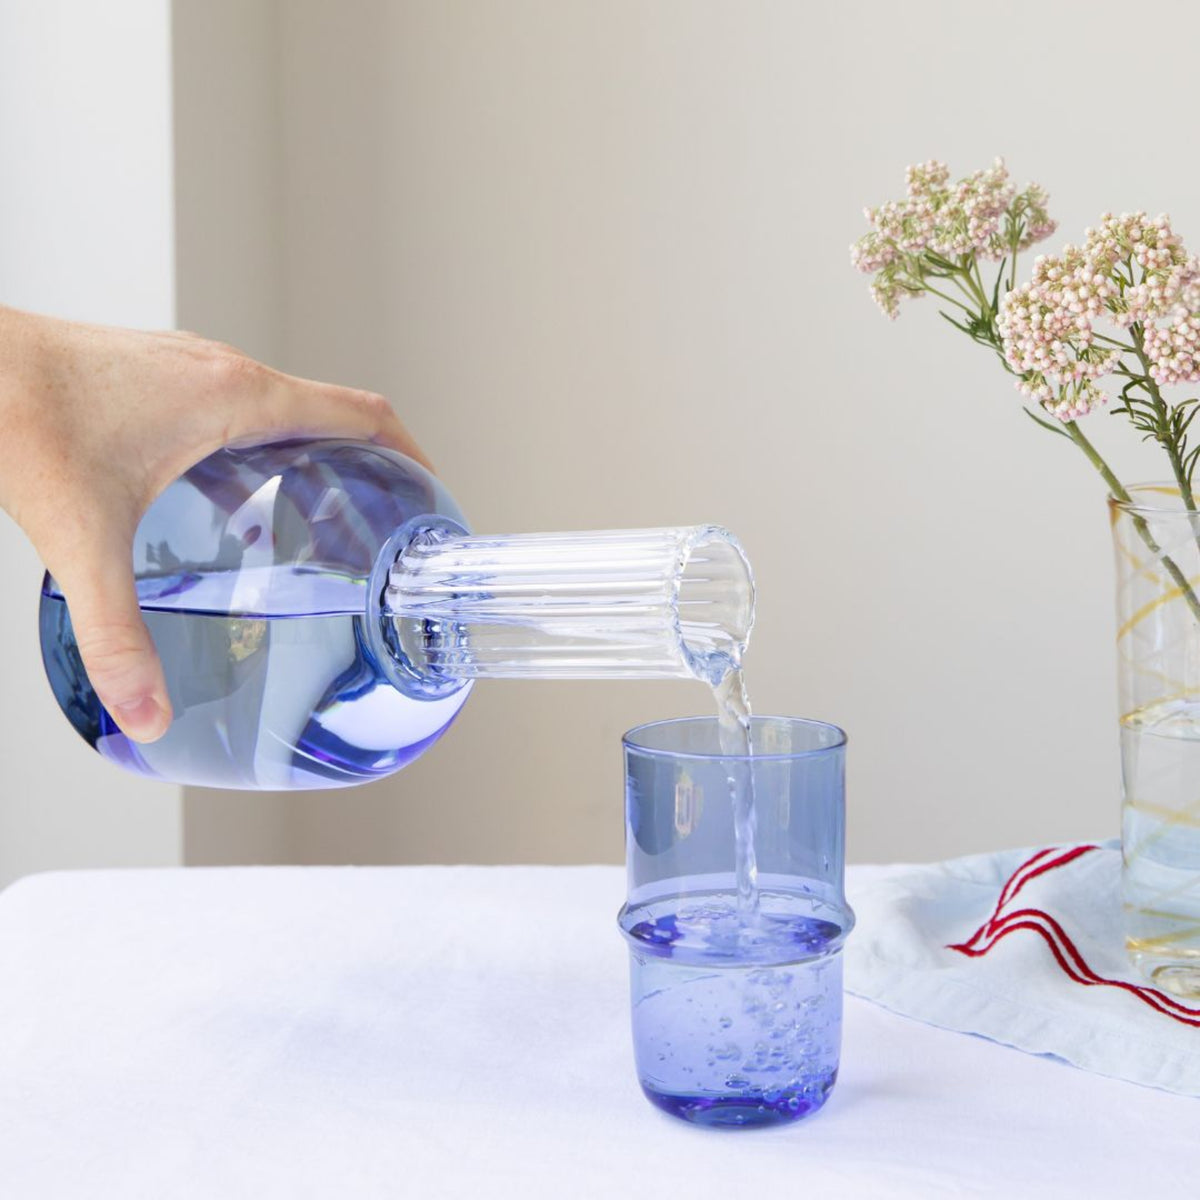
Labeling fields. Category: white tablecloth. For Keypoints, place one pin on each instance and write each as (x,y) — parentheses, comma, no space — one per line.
(462,1032)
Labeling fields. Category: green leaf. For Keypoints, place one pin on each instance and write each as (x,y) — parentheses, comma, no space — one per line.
(957,324)
(1046,424)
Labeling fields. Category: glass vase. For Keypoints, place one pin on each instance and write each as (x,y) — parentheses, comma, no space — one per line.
(1157,544)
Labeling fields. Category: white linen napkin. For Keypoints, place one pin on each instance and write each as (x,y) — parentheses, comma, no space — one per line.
(1023,947)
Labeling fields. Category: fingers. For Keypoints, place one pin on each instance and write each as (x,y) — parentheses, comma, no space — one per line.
(301,406)
(115,645)
(381,423)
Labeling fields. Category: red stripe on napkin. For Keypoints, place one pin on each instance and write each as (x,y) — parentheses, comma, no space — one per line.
(1066,953)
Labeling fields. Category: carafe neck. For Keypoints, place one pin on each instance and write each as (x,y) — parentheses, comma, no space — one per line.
(621,604)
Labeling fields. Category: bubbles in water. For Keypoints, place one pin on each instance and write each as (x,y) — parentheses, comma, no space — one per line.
(742,1027)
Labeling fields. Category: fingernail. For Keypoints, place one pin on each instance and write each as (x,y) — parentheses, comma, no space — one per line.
(142,720)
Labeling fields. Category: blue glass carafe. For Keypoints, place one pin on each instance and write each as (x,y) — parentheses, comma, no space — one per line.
(321,612)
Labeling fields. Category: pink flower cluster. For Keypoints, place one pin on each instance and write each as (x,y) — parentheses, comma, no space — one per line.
(1132,269)
(1166,299)
(1048,337)
(1174,349)
(1122,246)
(940,222)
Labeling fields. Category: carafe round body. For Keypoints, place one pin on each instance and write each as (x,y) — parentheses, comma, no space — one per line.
(255,572)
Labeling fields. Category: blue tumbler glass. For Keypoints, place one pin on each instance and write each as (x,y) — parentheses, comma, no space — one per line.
(736,1012)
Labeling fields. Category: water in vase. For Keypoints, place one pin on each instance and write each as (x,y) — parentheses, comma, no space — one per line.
(1160,753)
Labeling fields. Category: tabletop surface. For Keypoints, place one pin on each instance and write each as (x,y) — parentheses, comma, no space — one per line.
(463,1031)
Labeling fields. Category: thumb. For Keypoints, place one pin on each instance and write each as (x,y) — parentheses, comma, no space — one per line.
(114,643)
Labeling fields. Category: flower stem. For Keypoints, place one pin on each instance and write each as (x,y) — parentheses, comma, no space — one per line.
(979,288)
(1116,345)
(949,299)
(1093,456)
(1169,444)
(1120,493)
(975,291)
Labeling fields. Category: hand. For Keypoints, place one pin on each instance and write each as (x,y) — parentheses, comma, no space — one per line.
(95,423)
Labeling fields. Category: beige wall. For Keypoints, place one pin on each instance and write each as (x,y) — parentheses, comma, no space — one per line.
(597,255)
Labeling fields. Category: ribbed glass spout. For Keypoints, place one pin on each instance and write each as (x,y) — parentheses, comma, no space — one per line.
(614,603)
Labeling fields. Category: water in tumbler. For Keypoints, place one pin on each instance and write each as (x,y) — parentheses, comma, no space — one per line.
(1160,753)
(736,1023)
